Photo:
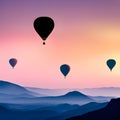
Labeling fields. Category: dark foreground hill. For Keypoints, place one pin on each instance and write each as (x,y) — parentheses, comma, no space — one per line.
(110,112)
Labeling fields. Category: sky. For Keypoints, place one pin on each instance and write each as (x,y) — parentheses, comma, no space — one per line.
(85,36)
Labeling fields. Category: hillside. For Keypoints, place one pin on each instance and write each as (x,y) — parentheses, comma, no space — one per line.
(110,112)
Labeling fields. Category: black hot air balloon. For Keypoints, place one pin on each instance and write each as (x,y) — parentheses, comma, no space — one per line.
(65,69)
(13,62)
(44,26)
(111,63)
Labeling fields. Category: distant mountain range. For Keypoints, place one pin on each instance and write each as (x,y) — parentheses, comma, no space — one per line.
(102,91)
(110,112)
(15,93)
(21,103)
(73,97)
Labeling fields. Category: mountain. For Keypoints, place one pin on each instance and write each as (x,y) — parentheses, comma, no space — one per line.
(49,92)
(26,115)
(13,93)
(76,94)
(110,112)
(61,107)
(69,98)
(76,97)
(102,91)
(80,110)
(10,90)
(53,112)
(101,99)
(73,97)
(2,108)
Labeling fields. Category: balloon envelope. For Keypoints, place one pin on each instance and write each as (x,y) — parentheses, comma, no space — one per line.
(111,63)
(13,62)
(43,26)
(65,69)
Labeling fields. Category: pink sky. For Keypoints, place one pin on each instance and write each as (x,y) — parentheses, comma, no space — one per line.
(86,34)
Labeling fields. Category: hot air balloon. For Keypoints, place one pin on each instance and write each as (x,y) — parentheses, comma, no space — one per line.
(44,26)
(65,69)
(13,62)
(111,63)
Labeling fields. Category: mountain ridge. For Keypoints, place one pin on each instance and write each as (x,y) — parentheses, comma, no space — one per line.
(100,91)
(110,112)
(12,89)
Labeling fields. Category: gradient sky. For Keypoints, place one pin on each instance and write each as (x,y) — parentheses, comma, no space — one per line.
(86,34)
